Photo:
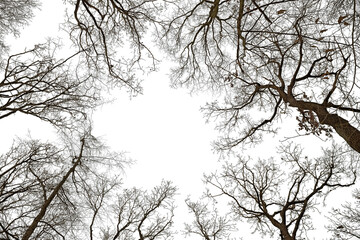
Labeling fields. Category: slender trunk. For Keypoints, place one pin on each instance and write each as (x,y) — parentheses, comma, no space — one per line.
(30,230)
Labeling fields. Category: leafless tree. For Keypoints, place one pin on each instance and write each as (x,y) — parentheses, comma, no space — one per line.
(63,91)
(39,186)
(34,81)
(25,185)
(345,222)
(278,201)
(47,191)
(38,84)
(272,56)
(138,214)
(208,223)
(111,33)
(14,15)
(129,213)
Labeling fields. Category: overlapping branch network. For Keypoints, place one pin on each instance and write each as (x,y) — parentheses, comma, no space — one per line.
(274,200)
(272,56)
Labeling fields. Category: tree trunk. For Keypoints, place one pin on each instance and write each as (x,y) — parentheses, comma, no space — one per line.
(349,133)
(30,230)
(287,237)
(342,126)
(284,234)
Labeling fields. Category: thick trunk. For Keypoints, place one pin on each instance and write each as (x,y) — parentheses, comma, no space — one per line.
(285,235)
(342,126)
(284,231)
(349,133)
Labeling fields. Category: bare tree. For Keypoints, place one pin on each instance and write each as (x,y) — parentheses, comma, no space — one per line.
(14,15)
(37,84)
(39,182)
(275,201)
(46,191)
(144,215)
(345,222)
(111,33)
(272,56)
(25,184)
(130,213)
(63,91)
(208,223)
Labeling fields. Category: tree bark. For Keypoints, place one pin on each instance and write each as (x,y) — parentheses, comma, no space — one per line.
(286,237)
(284,233)
(342,126)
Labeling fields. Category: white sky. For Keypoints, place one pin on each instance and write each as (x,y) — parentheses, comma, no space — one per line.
(163,129)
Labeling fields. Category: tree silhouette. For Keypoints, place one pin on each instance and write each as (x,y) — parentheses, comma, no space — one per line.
(208,223)
(101,28)
(278,201)
(47,191)
(269,55)
(63,91)
(345,221)
(271,60)
(144,215)
(37,84)
(39,183)
(14,15)
(272,56)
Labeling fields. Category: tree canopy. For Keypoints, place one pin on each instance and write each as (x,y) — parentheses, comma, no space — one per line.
(271,60)
(272,56)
